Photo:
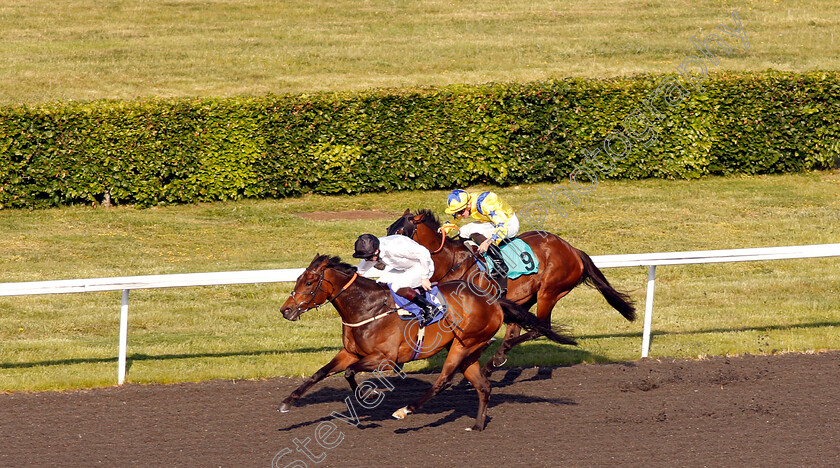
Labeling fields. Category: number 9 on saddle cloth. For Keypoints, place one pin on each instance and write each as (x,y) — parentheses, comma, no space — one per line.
(518,257)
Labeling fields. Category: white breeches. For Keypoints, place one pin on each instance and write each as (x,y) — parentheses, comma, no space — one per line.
(487,229)
(396,279)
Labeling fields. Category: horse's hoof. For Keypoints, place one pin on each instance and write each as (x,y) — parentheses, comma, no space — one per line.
(401,413)
(476,428)
(284,407)
(371,393)
(499,364)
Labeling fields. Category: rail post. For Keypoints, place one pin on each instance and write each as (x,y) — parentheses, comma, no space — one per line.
(648,311)
(123,337)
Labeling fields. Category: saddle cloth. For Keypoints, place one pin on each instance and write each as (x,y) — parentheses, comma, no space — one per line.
(519,257)
(432,296)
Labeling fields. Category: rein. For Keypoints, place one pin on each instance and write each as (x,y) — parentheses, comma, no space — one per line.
(372,319)
(442,242)
(454,266)
(321,278)
(344,288)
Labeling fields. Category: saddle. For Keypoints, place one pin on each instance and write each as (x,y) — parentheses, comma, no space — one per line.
(413,310)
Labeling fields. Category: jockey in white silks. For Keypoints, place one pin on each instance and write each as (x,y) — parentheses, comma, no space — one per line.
(401,263)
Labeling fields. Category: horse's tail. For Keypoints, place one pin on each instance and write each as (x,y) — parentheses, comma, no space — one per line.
(593,277)
(514,313)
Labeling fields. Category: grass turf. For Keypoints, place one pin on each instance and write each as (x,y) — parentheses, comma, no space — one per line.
(125,49)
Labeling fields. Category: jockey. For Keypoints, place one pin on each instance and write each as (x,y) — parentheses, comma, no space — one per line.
(406,265)
(496,222)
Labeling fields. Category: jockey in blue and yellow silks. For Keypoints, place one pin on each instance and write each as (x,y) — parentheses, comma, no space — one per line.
(496,221)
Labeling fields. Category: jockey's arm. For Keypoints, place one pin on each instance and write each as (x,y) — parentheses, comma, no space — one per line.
(501,230)
(365,268)
(494,210)
(447,227)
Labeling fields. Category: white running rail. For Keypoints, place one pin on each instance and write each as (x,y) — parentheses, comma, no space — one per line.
(651,260)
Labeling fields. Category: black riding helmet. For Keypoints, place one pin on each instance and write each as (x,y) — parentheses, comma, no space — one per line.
(366,246)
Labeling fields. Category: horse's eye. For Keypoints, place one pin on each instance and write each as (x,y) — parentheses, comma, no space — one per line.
(309,283)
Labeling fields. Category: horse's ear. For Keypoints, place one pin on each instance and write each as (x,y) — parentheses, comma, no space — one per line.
(407,212)
(418,219)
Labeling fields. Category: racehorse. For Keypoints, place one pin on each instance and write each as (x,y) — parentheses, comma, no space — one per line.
(373,334)
(561,269)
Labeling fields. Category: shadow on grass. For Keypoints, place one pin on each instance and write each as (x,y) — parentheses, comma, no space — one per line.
(516,356)
(712,330)
(161,357)
(537,353)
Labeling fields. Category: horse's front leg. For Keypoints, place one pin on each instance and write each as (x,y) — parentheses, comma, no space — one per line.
(372,362)
(340,362)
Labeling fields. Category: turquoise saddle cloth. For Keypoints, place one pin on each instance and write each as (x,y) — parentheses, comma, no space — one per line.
(519,258)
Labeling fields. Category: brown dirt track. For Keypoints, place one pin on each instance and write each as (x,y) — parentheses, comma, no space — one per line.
(764,411)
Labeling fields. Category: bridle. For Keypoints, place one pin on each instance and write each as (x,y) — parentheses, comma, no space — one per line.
(322,277)
(411,233)
(453,266)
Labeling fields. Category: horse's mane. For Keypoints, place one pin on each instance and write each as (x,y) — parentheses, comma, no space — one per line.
(335,263)
(430,219)
(432,222)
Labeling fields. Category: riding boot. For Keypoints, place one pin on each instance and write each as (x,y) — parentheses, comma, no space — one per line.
(500,268)
(428,310)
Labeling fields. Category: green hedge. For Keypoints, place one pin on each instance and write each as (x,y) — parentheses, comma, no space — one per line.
(179,151)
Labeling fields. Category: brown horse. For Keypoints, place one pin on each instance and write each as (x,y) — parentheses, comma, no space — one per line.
(561,268)
(374,335)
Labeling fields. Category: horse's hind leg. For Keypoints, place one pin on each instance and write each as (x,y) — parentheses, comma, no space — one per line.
(545,304)
(443,381)
(512,330)
(337,364)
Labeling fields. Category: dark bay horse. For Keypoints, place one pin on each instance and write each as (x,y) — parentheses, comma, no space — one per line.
(374,335)
(561,268)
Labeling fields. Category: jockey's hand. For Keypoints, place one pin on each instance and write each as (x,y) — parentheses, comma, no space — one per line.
(446,228)
(484,246)
(427,285)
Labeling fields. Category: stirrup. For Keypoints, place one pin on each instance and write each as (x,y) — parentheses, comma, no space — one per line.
(426,318)
(428,315)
